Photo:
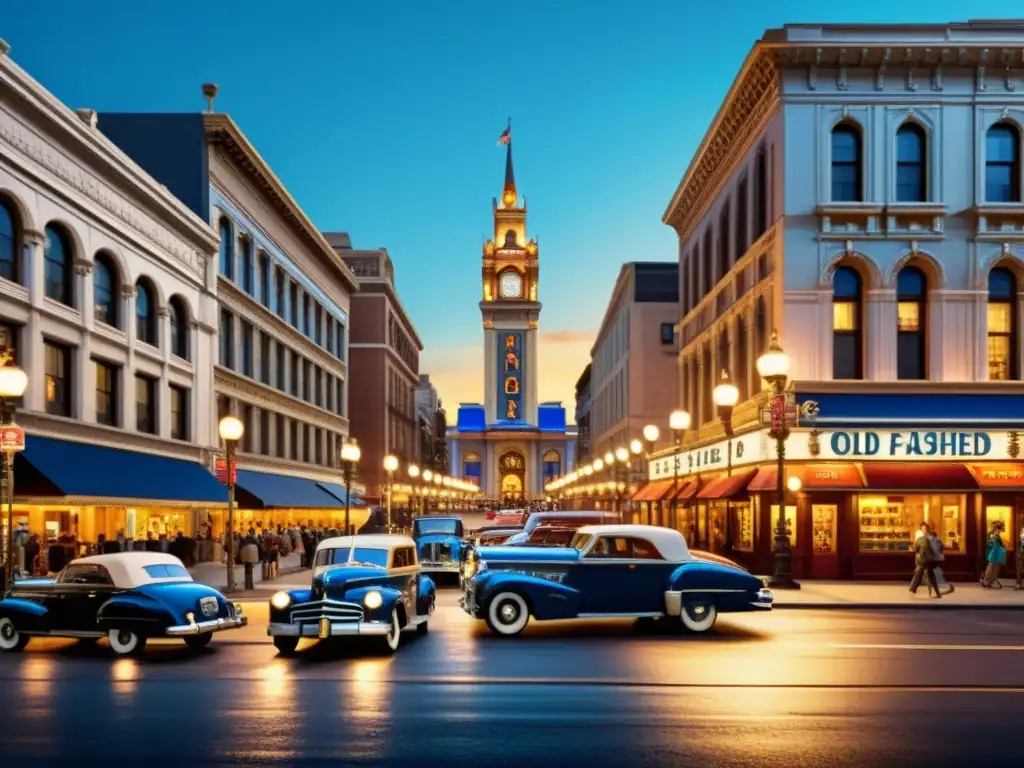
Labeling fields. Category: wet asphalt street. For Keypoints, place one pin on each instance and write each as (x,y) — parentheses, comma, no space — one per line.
(807,688)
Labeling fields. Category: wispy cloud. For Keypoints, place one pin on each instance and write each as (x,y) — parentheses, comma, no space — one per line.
(568,337)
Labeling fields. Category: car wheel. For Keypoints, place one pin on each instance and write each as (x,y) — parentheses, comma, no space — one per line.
(10,638)
(198,642)
(699,615)
(508,614)
(390,640)
(286,645)
(124,642)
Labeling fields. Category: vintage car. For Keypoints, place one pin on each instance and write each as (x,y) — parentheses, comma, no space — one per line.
(567,518)
(639,571)
(511,517)
(438,543)
(362,586)
(127,597)
(550,536)
(492,535)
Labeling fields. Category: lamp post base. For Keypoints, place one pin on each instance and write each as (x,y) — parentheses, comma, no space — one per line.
(783,576)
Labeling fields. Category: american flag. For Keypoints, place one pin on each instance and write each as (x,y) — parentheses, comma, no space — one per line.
(506,136)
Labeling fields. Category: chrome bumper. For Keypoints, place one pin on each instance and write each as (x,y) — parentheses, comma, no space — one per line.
(328,629)
(203,627)
(764,600)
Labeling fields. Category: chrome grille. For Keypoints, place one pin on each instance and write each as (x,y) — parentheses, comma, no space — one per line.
(436,553)
(334,610)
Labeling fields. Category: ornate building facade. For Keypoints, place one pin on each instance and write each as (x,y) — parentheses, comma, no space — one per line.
(860,192)
(511,444)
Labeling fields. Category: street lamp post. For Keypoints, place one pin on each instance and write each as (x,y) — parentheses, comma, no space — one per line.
(725,397)
(636,448)
(390,465)
(13,383)
(230,429)
(622,456)
(678,422)
(651,435)
(428,478)
(350,455)
(414,473)
(773,366)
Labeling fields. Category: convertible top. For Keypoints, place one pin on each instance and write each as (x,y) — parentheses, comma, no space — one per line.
(670,542)
(371,541)
(128,569)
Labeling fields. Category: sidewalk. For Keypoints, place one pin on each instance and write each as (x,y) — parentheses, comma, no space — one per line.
(216,574)
(845,595)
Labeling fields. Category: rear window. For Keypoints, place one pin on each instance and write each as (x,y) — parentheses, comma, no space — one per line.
(331,556)
(167,571)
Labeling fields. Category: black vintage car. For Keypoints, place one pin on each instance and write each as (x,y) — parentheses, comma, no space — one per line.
(126,597)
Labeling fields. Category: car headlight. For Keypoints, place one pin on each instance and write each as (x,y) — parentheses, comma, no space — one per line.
(373,599)
(281,600)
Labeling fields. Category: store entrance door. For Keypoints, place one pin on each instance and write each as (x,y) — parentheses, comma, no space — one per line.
(824,552)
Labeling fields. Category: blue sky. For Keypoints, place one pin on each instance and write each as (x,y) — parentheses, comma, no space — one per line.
(381,118)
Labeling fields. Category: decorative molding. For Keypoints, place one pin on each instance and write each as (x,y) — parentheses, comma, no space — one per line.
(812,72)
(33,237)
(841,82)
(911,85)
(880,71)
(35,148)
(128,291)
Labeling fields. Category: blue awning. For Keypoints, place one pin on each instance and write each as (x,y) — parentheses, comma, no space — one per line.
(338,490)
(51,467)
(899,410)
(270,491)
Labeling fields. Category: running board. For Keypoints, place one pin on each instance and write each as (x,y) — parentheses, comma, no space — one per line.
(654,615)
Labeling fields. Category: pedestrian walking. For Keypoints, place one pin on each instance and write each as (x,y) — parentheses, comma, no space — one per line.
(995,556)
(924,562)
(1020,560)
(938,558)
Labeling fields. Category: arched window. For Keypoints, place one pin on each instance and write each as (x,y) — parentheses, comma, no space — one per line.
(846,164)
(178,316)
(9,242)
(227,250)
(910,164)
(145,313)
(1002,325)
(552,465)
(510,238)
(104,290)
(912,319)
(847,347)
(1002,164)
(58,268)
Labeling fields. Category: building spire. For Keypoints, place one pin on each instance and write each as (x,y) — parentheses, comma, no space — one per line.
(509,197)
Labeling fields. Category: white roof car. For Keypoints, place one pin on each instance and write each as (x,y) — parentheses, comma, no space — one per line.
(668,541)
(370,541)
(324,559)
(129,570)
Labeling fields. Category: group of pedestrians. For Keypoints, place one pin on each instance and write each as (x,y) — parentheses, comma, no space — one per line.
(929,554)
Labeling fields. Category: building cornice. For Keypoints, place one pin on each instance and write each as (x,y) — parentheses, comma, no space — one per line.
(222,131)
(188,239)
(623,280)
(253,392)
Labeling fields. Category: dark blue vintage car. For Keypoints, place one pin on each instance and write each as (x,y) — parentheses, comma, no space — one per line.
(362,586)
(639,571)
(438,543)
(126,597)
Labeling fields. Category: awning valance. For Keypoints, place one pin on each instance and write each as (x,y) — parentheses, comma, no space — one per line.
(654,491)
(81,471)
(338,491)
(1005,476)
(922,476)
(687,489)
(727,487)
(263,490)
(824,476)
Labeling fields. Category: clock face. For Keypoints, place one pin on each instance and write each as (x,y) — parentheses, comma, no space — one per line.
(511,285)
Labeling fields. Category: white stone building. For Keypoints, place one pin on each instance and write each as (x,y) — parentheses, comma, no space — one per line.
(107,302)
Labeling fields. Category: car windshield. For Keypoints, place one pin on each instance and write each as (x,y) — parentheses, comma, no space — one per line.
(580,540)
(425,527)
(343,555)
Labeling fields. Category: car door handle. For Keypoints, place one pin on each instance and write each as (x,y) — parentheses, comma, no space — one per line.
(92,594)
(631,566)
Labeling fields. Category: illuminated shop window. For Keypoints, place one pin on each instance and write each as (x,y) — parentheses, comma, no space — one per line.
(892,523)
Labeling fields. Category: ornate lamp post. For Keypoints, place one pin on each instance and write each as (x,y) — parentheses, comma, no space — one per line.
(13,383)
(725,397)
(230,430)
(428,478)
(390,465)
(622,456)
(651,434)
(597,467)
(773,366)
(678,422)
(350,455)
(414,473)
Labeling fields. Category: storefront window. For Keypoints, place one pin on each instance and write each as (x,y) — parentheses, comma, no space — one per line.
(718,517)
(824,517)
(743,527)
(891,523)
(790,522)
(1002,515)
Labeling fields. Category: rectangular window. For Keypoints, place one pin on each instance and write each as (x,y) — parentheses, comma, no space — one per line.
(307,381)
(247,266)
(58,379)
(999,357)
(318,448)
(340,341)
(893,523)
(279,288)
(296,451)
(824,518)
(247,436)
(227,339)
(265,358)
(317,391)
(742,223)
(339,398)
(329,345)
(329,391)
(293,297)
(742,527)
(145,405)
(265,432)
(106,394)
(318,324)
(306,316)
(668,333)
(280,436)
(296,367)
(247,348)
(844,316)
(179,412)
(264,279)
(908,316)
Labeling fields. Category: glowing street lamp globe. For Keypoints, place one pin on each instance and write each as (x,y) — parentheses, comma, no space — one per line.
(726,394)
(231,429)
(652,433)
(390,463)
(414,471)
(774,364)
(622,454)
(350,451)
(679,421)
(635,446)
(13,382)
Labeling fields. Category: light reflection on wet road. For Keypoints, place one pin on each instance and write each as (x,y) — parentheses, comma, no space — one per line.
(801,687)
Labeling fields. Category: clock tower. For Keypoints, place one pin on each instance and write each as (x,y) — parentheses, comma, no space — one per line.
(510,311)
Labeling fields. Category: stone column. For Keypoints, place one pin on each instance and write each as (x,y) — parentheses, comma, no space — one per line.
(163,401)
(879,335)
(127,382)
(530,385)
(31,354)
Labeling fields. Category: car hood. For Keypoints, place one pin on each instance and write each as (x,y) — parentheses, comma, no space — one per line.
(337,580)
(438,538)
(524,554)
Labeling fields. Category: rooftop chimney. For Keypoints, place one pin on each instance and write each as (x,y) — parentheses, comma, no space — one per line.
(210,92)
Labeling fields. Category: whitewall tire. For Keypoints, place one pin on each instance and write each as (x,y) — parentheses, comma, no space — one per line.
(10,638)
(394,635)
(124,642)
(508,614)
(699,615)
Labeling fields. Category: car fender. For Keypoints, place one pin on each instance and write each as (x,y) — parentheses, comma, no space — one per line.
(137,612)
(548,599)
(390,600)
(729,588)
(297,596)
(13,607)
